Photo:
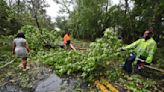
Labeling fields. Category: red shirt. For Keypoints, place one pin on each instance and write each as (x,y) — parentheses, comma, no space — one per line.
(66,38)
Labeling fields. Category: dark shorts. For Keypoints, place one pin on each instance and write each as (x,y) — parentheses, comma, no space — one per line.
(68,43)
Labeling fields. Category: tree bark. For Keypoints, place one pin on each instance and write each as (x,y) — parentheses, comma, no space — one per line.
(35,16)
(18,5)
(126,6)
(10,3)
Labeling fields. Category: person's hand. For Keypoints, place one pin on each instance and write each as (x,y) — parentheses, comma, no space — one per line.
(28,50)
(142,60)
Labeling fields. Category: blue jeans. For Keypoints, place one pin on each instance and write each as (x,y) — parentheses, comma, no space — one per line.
(128,64)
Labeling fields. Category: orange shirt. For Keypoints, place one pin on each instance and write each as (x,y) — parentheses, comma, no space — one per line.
(66,38)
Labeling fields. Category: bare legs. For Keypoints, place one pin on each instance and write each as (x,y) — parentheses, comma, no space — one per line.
(24,63)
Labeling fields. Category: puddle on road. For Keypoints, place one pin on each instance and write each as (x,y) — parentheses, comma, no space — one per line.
(13,88)
(42,79)
(51,84)
(56,84)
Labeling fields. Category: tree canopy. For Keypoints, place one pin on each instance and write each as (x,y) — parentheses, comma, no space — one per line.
(130,18)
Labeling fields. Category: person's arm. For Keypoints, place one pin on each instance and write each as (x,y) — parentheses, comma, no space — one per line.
(152,50)
(132,45)
(25,44)
(71,45)
(27,47)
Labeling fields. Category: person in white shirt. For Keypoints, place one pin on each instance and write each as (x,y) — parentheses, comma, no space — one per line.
(21,49)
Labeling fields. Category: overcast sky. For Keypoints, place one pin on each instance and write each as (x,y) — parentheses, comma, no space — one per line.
(54,8)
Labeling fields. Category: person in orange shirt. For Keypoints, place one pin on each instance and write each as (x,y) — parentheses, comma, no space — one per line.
(67,41)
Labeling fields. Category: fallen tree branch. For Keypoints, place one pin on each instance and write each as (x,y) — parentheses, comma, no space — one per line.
(8,63)
(3,84)
(82,49)
(154,68)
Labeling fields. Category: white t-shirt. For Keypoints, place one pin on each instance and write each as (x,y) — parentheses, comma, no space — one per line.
(20,50)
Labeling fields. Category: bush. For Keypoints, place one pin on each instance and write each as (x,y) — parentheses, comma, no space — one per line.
(99,55)
(36,40)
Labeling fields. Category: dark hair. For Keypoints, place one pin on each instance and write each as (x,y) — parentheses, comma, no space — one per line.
(68,33)
(20,35)
(150,32)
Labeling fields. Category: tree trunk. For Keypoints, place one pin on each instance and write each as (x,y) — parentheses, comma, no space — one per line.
(18,6)
(10,3)
(37,23)
(126,6)
(35,16)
